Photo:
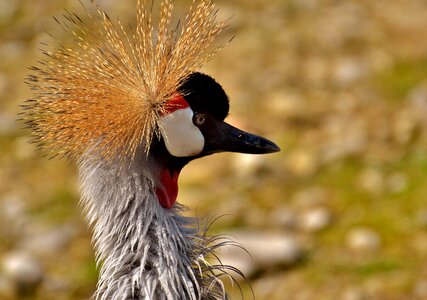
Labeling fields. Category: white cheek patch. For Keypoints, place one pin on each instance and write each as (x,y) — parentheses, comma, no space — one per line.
(182,138)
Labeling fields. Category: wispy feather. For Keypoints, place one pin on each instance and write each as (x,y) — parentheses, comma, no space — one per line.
(109,85)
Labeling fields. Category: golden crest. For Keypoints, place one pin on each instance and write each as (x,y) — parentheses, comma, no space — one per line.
(104,91)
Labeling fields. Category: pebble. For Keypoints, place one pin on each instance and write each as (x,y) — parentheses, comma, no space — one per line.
(23,271)
(56,285)
(339,25)
(371,180)
(248,165)
(315,220)
(13,215)
(302,163)
(348,71)
(363,239)
(344,137)
(285,217)
(48,242)
(397,182)
(267,250)
(420,290)
(353,294)
(12,207)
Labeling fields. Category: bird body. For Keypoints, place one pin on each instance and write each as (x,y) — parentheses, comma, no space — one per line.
(131,109)
(147,251)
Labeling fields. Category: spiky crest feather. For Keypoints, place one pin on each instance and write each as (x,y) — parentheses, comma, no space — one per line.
(106,91)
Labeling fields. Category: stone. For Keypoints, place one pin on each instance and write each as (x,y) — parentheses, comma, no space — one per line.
(420,290)
(13,215)
(343,137)
(315,220)
(397,182)
(302,163)
(23,271)
(371,180)
(348,71)
(12,207)
(363,239)
(266,250)
(284,217)
(353,294)
(248,165)
(48,242)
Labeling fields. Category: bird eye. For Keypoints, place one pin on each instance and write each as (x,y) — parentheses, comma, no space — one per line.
(199,119)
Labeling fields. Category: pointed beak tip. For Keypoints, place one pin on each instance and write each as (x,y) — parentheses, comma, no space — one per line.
(272,148)
(261,145)
(276,149)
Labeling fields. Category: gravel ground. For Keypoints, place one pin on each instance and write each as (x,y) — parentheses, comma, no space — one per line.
(340,213)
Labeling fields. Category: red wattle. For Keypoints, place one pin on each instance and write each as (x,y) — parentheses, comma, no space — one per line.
(168,191)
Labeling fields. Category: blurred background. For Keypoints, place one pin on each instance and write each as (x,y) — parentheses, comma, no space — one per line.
(340,213)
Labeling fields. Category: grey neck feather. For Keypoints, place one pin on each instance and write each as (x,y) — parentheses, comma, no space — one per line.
(144,250)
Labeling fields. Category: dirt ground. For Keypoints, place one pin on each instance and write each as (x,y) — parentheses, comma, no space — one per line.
(341,86)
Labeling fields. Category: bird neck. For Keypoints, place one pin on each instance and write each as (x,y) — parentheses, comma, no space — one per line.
(166,169)
(167,189)
(144,250)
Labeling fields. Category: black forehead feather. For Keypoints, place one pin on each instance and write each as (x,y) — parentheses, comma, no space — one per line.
(205,95)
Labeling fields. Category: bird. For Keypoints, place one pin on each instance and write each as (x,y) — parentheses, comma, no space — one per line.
(130,106)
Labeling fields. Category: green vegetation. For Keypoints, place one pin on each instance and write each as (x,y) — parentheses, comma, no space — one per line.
(404,76)
(330,83)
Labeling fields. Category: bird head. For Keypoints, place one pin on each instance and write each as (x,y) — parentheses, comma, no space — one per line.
(108,94)
(193,123)
(193,126)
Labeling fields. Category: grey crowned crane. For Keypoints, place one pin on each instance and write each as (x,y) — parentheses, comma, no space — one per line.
(131,109)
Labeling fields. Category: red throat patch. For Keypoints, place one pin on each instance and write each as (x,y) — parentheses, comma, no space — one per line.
(168,191)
